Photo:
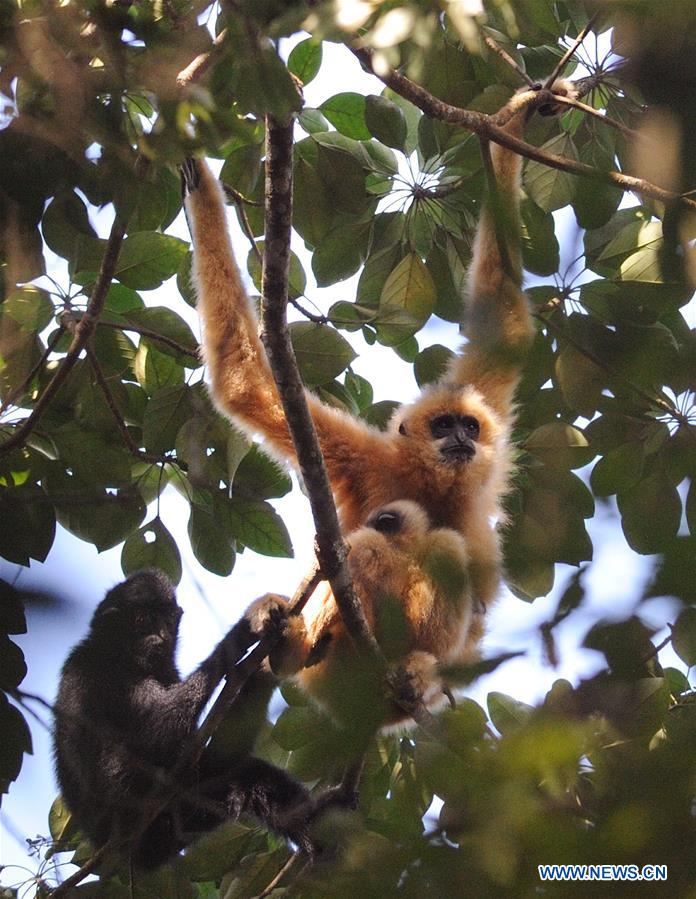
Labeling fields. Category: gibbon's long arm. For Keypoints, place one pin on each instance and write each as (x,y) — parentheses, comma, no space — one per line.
(242,383)
(497,322)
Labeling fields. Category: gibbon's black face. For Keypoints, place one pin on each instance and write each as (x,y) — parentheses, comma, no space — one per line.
(142,613)
(456,436)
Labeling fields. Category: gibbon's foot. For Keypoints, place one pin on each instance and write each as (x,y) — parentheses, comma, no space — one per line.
(560,88)
(190,176)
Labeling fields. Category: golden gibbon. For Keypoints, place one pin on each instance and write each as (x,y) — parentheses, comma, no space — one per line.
(449,451)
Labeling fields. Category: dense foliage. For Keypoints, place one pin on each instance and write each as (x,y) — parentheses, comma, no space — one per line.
(94,118)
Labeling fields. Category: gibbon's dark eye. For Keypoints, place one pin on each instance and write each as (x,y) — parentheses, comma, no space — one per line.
(402,428)
(442,425)
(471,426)
(387,523)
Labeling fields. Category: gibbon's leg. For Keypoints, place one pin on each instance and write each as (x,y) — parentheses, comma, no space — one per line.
(242,383)
(497,323)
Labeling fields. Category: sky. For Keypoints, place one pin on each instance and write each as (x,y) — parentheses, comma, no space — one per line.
(212,604)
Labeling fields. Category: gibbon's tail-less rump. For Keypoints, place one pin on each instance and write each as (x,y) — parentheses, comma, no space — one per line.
(414,588)
(449,451)
(124,717)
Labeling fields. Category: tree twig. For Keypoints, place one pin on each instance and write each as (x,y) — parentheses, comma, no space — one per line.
(286,868)
(82,872)
(331,547)
(195,70)
(505,56)
(193,352)
(490,127)
(120,423)
(608,120)
(560,65)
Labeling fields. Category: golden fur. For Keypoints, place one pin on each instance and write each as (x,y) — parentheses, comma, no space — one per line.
(369,468)
(414,588)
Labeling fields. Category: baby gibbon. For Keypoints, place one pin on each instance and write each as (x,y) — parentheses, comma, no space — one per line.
(413,585)
(449,451)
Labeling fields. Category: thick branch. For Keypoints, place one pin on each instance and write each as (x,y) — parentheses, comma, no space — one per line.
(83,332)
(490,127)
(331,548)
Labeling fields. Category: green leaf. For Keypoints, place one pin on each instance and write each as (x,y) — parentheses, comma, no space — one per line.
(164,322)
(260,477)
(540,250)
(148,258)
(551,188)
(322,353)
(297,280)
(559,445)
(258,526)
(407,300)
(30,307)
(152,546)
(64,221)
(16,740)
(386,121)
(155,370)
(650,513)
(242,168)
(104,519)
(312,121)
(508,714)
(165,413)
(305,59)
(684,636)
(346,112)
(431,364)
(211,537)
(28,527)
(340,254)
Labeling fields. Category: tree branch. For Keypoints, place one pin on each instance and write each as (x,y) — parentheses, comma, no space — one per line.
(331,548)
(83,331)
(560,65)
(194,353)
(489,126)
(120,423)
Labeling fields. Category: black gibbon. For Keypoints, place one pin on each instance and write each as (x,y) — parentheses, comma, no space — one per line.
(449,451)
(413,585)
(124,717)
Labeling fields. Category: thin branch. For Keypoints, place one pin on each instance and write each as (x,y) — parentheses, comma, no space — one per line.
(64,888)
(83,332)
(331,548)
(195,70)
(153,335)
(505,56)
(288,866)
(235,197)
(608,120)
(120,423)
(488,126)
(560,65)
(653,401)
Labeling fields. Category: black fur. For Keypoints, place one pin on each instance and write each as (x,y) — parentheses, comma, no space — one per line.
(124,716)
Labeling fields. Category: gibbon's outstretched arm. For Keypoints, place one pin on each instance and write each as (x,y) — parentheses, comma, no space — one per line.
(413,584)
(497,322)
(241,379)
